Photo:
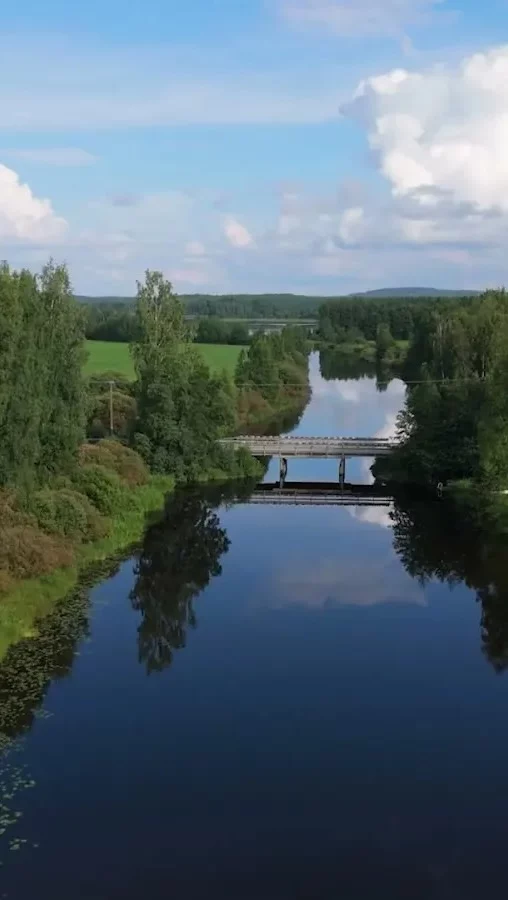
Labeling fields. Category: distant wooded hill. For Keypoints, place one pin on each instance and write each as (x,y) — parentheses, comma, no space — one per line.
(266,306)
(415,292)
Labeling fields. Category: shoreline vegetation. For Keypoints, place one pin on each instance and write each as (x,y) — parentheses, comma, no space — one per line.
(452,353)
(65,503)
(453,429)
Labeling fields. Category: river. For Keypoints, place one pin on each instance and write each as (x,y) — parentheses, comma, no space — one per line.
(269,703)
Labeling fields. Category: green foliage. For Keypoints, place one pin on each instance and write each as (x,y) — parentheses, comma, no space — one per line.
(114,321)
(63,419)
(101,486)
(351,318)
(272,375)
(23,608)
(26,552)
(41,386)
(124,414)
(213,330)
(252,306)
(115,457)
(182,407)
(455,422)
(67,513)
(384,343)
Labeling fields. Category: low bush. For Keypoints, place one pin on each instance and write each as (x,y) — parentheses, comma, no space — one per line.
(115,457)
(236,463)
(101,486)
(252,408)
(6,582)
(11,513)
(43,508)
(97,525)
(26,552)
(67,513)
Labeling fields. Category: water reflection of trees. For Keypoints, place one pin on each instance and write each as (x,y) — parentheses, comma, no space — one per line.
(351,366)
(180,555)
(461,542)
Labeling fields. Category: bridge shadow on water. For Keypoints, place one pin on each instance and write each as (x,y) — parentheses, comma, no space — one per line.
(312,493)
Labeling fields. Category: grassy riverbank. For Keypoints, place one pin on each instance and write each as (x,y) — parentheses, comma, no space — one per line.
(25,601)
(30,600)
(367,351)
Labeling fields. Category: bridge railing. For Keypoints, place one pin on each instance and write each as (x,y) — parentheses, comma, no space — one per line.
(260,439)
(287,446)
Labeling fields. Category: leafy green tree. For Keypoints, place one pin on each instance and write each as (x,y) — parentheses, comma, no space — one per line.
(42,402)
(384,342)
(182,408)
(455,423)
(63,418)
(212,330)
(238,334)
(257,368)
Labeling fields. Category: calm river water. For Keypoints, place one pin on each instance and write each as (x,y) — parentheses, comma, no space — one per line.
(269,703)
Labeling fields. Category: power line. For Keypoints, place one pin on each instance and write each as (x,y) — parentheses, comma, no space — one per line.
(476,379)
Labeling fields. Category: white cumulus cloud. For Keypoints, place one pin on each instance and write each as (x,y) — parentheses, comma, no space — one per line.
(442,134)
(237,234)
(23,216)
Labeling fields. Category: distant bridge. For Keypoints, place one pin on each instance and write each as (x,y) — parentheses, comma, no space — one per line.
(287,447)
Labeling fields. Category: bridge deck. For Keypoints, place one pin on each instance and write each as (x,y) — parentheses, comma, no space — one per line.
(317,447)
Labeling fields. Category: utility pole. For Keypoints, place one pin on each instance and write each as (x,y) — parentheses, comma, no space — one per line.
(111,419)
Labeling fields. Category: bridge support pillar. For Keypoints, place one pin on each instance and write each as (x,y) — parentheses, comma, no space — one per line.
(342,471)
(283,463)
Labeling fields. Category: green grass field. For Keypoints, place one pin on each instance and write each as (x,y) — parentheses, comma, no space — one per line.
(106,356)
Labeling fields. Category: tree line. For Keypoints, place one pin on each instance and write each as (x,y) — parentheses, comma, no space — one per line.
(272,376)
(226,306)
(455,421)
(176,408)
(349,319)
(117,322)
(56,490)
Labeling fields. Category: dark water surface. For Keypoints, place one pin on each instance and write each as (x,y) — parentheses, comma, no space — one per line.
(270,703)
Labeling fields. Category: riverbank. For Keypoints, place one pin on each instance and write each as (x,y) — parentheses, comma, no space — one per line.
(51,534)
(272,380)
(28,600)
(31,599)
(258,416)
(367,352)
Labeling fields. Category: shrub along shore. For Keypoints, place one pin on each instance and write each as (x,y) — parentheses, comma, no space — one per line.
(65,503)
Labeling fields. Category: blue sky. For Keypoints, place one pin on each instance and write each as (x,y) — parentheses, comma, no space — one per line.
(318,146)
